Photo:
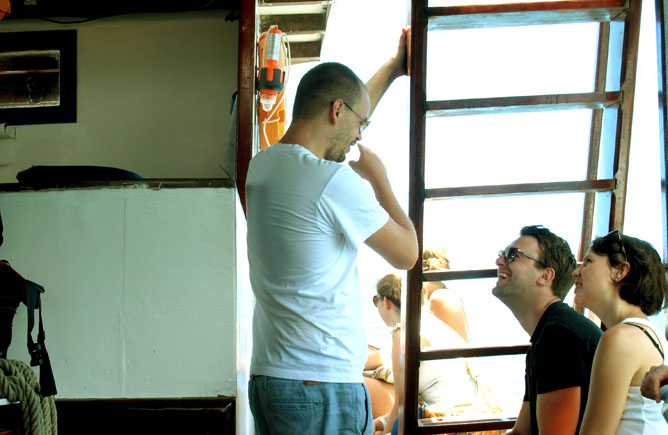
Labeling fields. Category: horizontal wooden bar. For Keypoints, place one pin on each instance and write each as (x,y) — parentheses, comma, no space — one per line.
(450,275)
(29,71)
(294,2)
(471,426)
(294,23)
(470,352)
(151,183)
(523,14)
(305,51)
(521,189)
(531,103)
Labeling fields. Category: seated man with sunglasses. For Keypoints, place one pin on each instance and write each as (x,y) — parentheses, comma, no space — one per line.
(534,276)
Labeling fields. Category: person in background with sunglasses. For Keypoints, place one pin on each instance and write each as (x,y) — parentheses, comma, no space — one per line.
(622,280)
(534,276)
(443,303)
(444,385)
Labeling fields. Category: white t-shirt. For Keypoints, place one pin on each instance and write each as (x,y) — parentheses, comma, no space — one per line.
(306,219)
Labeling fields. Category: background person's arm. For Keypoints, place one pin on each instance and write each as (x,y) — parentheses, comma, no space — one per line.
(373,360)
(448,307)
(651,383)
(523,423)
(398,382)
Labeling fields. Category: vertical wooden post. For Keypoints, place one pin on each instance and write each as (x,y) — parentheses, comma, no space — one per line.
(412,296)
(622,147)
(246,96)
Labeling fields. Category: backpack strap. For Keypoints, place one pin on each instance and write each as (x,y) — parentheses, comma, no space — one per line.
(38,354)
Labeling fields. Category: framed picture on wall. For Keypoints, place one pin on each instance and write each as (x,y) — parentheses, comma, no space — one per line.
(38,77)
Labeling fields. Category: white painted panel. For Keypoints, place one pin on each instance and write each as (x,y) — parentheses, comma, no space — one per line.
(244,315)
(179,297)
(139,285)
(73,247)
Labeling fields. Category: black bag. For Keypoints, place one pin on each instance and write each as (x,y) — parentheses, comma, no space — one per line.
(13,290)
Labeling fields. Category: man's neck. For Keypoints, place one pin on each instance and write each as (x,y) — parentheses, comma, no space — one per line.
(529,316)
(303,134)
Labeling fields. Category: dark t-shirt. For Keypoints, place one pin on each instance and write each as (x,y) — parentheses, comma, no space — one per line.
(561,355)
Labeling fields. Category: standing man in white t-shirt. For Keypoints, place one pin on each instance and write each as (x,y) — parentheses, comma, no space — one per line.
(308,214)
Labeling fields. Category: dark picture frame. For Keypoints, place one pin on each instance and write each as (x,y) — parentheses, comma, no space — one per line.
(64,43)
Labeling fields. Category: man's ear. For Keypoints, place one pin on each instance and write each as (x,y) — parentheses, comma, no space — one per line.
(335,110)
(547,276)
(388,303)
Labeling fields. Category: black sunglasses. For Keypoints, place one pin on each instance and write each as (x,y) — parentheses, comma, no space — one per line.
(616,237)
(378,298)
(510,254)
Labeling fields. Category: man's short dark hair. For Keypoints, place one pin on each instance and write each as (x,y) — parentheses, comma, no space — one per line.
(323,84)
(555,253)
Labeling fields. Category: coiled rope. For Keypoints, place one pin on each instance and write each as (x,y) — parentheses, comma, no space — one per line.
(19,383)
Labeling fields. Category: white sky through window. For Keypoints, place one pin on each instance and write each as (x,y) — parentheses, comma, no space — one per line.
(362,37)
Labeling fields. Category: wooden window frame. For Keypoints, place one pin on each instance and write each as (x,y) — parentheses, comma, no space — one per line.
(424,19)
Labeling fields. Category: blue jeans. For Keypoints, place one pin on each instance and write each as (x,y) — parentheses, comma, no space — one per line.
(290,407)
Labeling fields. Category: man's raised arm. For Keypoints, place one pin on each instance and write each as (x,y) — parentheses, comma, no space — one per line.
(390,70)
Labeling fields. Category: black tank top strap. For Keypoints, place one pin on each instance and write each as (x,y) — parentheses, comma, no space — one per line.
(654,342)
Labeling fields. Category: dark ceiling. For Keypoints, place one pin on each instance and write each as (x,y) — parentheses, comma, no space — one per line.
(93,9)
(303,21)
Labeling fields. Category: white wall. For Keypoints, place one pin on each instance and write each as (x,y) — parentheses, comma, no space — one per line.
(154,95)
(244,315)
(140,286)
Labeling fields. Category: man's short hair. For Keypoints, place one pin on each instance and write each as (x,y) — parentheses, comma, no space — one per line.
(555,253)
(323,84)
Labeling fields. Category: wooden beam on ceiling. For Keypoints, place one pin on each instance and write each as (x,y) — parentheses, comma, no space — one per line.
(309,23)
(305,51)
(303,21)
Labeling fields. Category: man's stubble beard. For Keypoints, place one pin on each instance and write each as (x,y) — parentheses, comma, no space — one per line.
(335,153)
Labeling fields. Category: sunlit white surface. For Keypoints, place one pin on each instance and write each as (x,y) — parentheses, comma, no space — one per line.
(360,37)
